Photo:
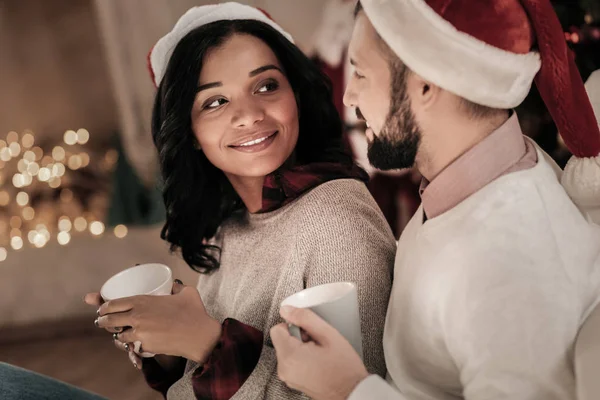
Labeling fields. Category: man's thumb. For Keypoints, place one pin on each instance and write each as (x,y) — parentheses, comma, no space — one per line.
(315,326)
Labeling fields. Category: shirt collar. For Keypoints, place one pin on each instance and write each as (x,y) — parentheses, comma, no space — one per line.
(473,170)
(285,185)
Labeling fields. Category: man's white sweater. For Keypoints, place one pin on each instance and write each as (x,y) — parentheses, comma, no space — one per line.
(489,296)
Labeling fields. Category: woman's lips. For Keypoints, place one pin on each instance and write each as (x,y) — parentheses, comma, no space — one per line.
(255,145)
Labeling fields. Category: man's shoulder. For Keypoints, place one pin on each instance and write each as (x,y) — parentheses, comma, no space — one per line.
(522,203)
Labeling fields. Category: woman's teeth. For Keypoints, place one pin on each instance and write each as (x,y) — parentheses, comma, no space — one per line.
(253,142)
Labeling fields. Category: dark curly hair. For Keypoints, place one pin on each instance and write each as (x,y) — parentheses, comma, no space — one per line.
(198,197)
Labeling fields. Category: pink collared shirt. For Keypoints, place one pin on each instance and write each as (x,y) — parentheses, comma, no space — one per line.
(504,151)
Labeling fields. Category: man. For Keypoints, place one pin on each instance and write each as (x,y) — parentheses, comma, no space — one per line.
(498,268)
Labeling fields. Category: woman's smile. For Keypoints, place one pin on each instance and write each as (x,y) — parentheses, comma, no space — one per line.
(256,143)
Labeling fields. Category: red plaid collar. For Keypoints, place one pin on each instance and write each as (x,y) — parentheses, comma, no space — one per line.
(284,186)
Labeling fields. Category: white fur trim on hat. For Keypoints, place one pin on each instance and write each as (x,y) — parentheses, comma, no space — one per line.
(196,17)
(581,180)
(455,61)
(581,177)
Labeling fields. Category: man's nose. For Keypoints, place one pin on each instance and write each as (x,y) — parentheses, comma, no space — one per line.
(350,95)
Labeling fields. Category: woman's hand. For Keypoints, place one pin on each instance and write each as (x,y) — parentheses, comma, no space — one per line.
(94,299)
(135,359)
(176,325)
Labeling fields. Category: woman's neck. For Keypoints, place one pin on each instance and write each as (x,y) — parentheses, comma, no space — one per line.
(250,190)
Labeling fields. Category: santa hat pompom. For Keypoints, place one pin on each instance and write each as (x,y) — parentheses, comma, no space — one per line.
(581,177)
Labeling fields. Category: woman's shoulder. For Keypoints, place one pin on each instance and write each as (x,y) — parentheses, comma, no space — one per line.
(339,193)
(344,206)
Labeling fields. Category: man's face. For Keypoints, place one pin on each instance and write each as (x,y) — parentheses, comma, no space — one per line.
(378,89)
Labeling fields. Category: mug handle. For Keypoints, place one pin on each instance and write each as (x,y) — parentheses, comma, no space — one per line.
(295,331)
(298,333)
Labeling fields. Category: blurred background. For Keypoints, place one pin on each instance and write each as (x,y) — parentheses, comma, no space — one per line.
(78,171)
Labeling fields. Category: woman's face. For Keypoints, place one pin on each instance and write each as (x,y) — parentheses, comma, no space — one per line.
(245,115)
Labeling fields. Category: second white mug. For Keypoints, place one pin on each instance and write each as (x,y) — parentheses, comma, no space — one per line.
(337,304)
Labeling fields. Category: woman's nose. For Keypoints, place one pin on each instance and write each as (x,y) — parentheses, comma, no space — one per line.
(247,115)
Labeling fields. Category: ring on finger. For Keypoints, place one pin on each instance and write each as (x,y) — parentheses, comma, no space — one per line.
(126,345)
(115,336)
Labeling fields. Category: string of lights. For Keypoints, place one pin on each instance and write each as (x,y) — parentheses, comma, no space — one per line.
(39,199)
(588,32)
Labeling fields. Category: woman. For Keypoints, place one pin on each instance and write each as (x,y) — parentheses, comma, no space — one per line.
(261,199)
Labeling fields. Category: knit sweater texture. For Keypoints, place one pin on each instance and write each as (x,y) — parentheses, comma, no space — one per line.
(336,232)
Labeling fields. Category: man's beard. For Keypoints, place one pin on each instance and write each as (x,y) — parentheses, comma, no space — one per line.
(398,142)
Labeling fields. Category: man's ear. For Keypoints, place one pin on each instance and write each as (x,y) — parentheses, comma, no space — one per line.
(424,93)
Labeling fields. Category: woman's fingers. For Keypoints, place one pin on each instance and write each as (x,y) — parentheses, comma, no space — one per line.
(114,329)
(135,360)
(127,336)
(128,347)
(114,321)
(93,299)
(123,346)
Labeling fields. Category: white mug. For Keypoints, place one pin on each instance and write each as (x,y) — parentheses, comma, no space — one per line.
(143,279)
(337,304)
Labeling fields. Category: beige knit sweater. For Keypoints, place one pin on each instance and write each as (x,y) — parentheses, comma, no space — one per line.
(335,232)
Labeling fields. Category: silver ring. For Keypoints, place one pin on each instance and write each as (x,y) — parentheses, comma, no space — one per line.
(126,346)
(115,336)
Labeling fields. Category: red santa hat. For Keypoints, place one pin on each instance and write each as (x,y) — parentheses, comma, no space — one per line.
(490,52)
(195,17)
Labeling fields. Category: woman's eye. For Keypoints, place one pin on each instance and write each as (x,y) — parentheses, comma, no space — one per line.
(214,103)
(268,87)
(358,76)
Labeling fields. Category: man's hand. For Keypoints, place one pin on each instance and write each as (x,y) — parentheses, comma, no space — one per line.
(326,368)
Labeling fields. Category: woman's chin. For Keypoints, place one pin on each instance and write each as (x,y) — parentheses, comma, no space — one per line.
(255,171)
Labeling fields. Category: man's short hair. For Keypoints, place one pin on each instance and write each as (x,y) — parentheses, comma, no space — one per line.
(477,111)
